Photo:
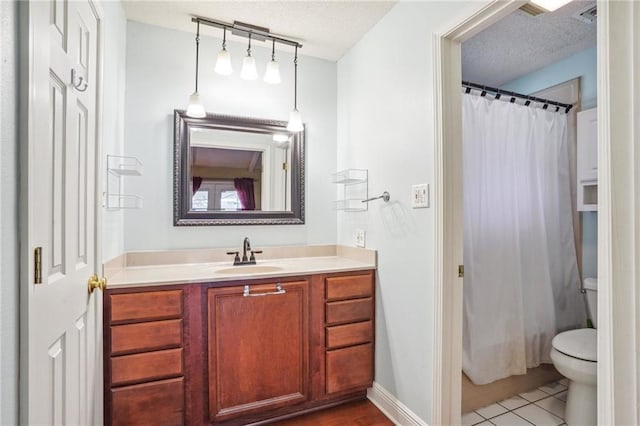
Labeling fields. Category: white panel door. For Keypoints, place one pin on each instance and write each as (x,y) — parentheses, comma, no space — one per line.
(61,324)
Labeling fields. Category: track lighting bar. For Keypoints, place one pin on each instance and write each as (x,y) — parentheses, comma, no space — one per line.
(240,28)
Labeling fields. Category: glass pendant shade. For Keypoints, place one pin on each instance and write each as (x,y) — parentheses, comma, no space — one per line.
(249,71)
(223,63)
(295,121)
(272,75)
(195,109)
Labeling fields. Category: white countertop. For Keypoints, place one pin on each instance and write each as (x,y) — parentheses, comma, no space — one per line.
(184,273)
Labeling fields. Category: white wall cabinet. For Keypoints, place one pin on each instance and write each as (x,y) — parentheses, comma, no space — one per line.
(587,167)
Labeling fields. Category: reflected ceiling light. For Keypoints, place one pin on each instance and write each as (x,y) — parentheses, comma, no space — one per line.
(195,108)
(295,119)
(272,75)
(550,5)
(223,63)
(249,71)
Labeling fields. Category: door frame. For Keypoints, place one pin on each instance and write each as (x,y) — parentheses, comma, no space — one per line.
(614,326)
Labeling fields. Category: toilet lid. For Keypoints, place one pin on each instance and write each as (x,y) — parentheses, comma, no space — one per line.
(581,343)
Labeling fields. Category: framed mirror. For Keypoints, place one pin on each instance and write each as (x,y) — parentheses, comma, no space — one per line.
(236,171)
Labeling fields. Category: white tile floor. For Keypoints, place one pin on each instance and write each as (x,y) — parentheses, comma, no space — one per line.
(540,407)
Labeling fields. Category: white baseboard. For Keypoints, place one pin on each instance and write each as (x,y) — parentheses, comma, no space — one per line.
(395,410)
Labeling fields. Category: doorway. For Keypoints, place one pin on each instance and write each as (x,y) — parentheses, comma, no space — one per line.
(448,202)
(522,236)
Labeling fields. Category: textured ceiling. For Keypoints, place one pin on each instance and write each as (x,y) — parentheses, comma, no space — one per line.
(521,43)
(327,29)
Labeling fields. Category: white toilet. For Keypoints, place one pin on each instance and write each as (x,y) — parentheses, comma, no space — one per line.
(574,354)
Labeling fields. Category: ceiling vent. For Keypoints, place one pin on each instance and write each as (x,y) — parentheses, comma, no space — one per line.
(588,15)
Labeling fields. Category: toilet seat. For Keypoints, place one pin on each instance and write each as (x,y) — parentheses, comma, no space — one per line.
(581,344)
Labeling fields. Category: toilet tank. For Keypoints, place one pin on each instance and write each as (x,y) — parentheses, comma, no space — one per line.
(591,286)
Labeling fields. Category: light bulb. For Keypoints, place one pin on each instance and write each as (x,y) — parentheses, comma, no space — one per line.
(295,121)
(249,68)
(280,137)
(195,109)
(223,63)
(272,75)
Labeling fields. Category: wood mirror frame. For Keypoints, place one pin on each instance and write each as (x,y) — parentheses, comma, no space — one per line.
(182,213)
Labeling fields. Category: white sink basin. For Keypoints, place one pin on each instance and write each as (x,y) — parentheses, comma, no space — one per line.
(249,269)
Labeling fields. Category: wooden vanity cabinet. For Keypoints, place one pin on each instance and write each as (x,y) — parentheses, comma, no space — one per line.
(237,353)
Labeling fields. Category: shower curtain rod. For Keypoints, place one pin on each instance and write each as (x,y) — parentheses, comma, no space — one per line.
(514,95)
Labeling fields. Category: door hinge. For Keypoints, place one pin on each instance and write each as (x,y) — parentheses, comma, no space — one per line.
(460,271)
(285,166)
(37,265)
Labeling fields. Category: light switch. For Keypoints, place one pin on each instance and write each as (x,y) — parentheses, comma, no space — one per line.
(360,237)
(420,196)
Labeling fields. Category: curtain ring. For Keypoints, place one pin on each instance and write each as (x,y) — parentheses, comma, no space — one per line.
(81,84)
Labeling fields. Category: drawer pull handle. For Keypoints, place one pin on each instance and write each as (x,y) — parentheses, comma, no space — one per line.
(279,290)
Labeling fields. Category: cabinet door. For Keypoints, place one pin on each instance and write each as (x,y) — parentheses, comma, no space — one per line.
(587,166)
(588,145)
(257,348)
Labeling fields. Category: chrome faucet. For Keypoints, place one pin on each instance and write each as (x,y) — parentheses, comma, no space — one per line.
(246,247)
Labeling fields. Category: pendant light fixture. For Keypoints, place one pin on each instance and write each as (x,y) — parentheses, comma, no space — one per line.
(272,75)
(295,119)
(249,65)
(248,71)
(195,108)
(223,63)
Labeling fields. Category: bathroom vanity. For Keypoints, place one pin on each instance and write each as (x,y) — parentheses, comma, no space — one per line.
(243,346)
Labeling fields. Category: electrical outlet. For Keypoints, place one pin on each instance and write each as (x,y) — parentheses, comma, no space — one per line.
(360,234)
(420,196)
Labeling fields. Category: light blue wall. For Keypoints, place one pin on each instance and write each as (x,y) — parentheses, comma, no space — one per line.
(159,78)
(582,64)
(114,72)
(385,125)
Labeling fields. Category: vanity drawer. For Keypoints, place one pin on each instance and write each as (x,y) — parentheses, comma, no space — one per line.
(349,311)
(147,366)
(146,336)
(349,287)
(156,403)
(146,306)
(349,334)
(349,368)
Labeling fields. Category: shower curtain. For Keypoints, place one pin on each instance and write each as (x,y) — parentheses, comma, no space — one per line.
(521,284)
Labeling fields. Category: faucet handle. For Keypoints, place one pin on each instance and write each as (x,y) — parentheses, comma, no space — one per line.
(254,252)
(236,259)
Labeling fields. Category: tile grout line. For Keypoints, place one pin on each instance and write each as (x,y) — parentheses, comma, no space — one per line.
(523,417)
(547,395)
(488,419)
